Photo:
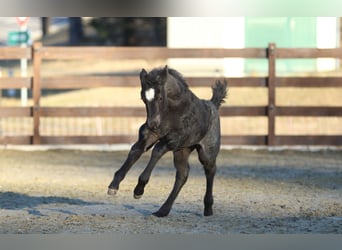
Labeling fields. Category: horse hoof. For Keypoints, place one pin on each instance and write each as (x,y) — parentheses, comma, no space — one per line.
(208,212)
(138,192)
(112,191)
(159,214)
(137,196)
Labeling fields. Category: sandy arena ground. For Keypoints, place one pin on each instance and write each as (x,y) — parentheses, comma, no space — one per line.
(64,191)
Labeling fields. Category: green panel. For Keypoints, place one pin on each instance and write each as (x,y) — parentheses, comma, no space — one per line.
(17,37)
(289,32)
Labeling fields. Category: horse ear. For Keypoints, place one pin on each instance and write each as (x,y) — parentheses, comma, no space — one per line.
(163,74)
(143,75)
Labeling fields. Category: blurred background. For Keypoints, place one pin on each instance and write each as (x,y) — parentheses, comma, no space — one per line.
(193,32)
(113,31)
(179,32)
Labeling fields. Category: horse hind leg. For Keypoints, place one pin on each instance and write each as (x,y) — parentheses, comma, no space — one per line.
(182,166)
(209,163)
(208,198)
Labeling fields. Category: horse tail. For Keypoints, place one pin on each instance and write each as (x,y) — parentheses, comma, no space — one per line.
(219,93)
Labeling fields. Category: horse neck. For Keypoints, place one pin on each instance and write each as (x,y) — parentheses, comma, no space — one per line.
(186,98)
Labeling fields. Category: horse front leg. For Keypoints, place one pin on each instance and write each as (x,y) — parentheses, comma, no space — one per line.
(181,163)
(146,140)
(158,151)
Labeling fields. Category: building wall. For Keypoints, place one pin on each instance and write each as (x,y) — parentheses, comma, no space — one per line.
(206,32)
(328,32)
(230,32)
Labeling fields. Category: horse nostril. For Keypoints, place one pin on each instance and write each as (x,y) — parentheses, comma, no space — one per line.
(153,124)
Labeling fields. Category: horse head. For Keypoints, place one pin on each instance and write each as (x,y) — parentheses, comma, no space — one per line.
(160,90)
(154,96)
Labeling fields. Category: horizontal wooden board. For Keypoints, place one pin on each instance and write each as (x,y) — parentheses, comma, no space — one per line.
(13,53)
(77,82)
(232,81)
(308,53)
(134,111)
(63,140)
(243,111)
(335,140)
(309,82)
(225,140)
(217,53)
(115,139)
(15,140)
(244,140)
(141,112)
(80,82)
(15,82)
(16,112)
(91,111)
(308,111)
(58,52)
(148,53)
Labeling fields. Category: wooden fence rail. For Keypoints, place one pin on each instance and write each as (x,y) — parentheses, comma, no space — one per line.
(37,53)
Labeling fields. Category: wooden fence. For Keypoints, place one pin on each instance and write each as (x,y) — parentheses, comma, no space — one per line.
(37,53)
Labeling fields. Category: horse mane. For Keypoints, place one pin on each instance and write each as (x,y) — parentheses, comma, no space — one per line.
(178,76)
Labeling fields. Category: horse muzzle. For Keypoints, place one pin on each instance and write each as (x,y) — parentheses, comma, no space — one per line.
(154,123)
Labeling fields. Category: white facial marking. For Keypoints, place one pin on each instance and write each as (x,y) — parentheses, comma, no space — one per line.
(149,94)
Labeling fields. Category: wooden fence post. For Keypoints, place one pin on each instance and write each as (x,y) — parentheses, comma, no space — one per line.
(271,109)
(37,59)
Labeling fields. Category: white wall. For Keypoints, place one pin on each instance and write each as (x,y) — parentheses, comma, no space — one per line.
(229,32)
(328,35)
(206,32)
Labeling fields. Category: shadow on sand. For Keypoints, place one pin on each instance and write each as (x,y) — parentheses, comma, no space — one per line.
(16,201)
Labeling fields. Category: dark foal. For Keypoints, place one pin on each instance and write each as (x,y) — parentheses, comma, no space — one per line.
(180,122)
